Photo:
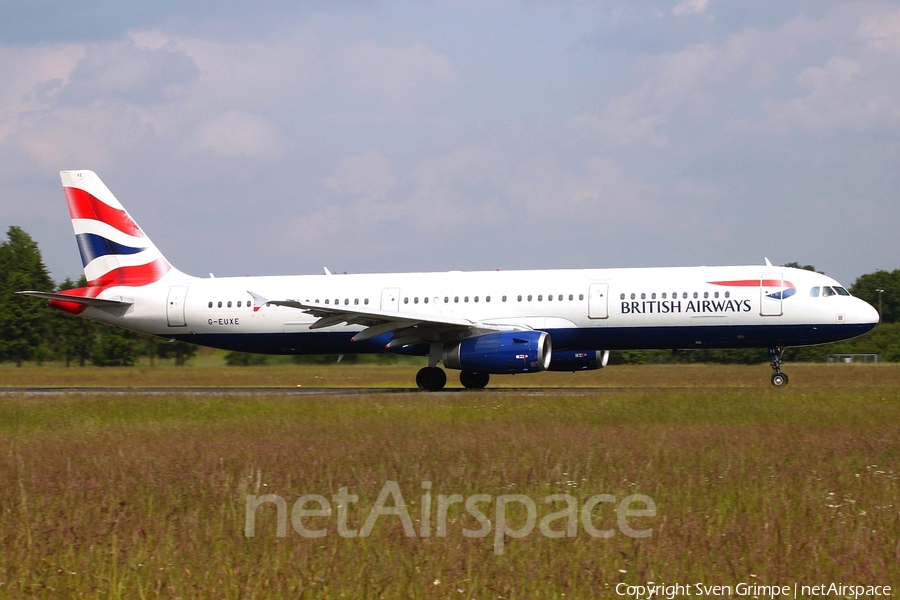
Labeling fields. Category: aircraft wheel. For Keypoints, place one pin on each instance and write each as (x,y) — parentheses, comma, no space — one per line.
(474,381)
(431,379)
(779,379)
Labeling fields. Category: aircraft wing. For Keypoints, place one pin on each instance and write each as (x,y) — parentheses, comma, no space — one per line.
(117,302)
(405,328)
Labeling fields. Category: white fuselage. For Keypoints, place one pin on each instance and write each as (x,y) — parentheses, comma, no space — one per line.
(591,309)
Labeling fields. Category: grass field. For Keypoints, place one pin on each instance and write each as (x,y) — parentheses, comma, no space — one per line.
(137,495)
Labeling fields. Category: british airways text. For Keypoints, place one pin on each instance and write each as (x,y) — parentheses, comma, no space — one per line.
(677,306)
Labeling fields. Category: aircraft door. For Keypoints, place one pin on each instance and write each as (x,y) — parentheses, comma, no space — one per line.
(390,299)
(598,305)
(175,306)
(771,291)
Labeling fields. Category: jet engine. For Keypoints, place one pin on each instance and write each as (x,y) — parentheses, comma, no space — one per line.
(578,360)
(503,352)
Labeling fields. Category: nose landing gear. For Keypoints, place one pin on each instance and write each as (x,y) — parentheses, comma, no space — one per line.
(779,379)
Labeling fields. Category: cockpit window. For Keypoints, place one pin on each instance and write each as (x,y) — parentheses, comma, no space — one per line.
(827,291)
(814,293)
(841,291)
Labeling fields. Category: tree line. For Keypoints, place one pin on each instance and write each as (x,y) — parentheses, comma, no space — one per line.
(32,331)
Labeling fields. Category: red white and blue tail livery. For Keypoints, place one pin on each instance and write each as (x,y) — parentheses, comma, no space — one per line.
(114,250)
(480,323)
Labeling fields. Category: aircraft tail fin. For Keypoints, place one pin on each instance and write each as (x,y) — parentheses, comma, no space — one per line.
(114,249)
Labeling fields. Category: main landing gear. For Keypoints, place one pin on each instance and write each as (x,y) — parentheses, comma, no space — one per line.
(433,379)
(779,379)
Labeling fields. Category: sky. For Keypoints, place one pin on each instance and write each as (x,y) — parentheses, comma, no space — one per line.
(364,136)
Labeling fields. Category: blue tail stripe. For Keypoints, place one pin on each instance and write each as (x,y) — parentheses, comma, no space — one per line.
(91,246)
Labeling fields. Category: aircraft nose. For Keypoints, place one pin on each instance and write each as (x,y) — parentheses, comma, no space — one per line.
(863,312)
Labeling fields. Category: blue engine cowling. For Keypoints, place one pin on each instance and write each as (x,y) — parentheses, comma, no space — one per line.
(504,352)
(578,360)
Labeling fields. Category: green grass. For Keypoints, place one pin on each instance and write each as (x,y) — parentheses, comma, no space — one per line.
(134,495)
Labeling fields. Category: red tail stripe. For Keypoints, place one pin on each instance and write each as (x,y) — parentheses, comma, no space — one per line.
(137,275)
(83,205)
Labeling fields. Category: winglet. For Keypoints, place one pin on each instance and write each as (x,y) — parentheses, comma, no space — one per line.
(768,262)
(258,301)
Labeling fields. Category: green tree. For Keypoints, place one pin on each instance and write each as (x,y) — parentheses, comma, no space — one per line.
(797,265)
(180,351)
(245,359)
(23,320)
(115,347)
(71,337)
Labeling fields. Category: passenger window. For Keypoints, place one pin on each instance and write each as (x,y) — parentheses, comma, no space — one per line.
(663,295)
(465,298)
(425,300)
(716,295)
(684,296)
(446,299)
(503,299)
(529,297)
(487,298)
(632,296)
(581,296)
(405,301)
(456,298)
(520,298)
(229,304)
(653,296)
(728,294)
(476,298)
(540,297)
(814,292)
(571,297)
(416,300)
(549,297)
(210,304)
(326,300)
(346,301)
(706,294)
(366,301)
(356,301)
(695,295)
(643,296)
(220,304)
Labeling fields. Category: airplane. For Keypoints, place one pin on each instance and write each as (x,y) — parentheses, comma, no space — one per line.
(479,323)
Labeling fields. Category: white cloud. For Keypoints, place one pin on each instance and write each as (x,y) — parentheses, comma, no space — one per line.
(396,76)
(857,90)
(367,176)
(599,190)
(690,7)
(236,134)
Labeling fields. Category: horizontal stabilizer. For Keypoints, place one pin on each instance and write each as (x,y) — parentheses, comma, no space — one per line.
(117,302)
